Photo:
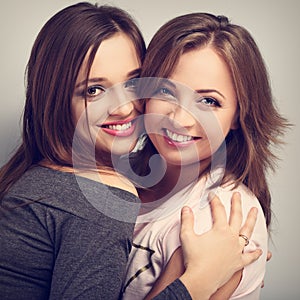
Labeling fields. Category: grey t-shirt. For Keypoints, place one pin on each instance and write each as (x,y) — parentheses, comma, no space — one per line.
(55,244)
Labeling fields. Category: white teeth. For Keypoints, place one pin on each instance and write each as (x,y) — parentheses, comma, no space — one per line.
(120,127)
(178,137)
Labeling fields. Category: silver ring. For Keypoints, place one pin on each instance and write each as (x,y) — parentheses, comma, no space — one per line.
(245,238)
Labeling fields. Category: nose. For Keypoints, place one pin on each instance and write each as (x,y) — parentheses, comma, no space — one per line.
(121,104)
(121,109)
(180,117)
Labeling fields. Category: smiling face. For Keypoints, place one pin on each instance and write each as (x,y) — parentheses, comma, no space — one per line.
(110,118)
(189,117)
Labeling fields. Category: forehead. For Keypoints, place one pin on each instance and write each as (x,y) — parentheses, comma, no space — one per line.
(114,56)
(203,68)
(115,51)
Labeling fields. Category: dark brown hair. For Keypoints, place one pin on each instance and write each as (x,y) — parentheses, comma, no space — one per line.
(249,153)
(55,60)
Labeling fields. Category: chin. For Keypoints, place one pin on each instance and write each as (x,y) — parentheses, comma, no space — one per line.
(122,149)
(182,161)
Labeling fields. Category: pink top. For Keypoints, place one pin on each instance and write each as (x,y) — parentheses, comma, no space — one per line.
(155,241)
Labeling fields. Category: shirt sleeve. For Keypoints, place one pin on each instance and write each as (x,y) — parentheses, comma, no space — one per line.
(25,255)
(175,291)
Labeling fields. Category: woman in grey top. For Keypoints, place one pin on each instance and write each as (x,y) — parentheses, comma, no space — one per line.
(67,217)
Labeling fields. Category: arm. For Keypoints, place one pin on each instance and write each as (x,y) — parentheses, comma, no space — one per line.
(175,268)
(215,255)
(25,254)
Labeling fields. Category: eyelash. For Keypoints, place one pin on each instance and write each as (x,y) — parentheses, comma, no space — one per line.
(168,93)
(214,102)
(131,83)
(165,92)
(95,88)
(91,91)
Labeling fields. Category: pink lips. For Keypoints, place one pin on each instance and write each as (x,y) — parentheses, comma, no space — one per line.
(118,130)
(176,144)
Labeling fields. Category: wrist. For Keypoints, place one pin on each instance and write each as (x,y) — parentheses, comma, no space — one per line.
(197,285)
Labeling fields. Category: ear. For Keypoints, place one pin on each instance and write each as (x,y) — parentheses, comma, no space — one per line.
(235,123)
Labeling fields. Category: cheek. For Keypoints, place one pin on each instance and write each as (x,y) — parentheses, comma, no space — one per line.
(226,121)
(151,122)
(139,106)
(151,116)
(90,114)
(82,119)
(149,106)
(77,110)
(215,129)
(154,106)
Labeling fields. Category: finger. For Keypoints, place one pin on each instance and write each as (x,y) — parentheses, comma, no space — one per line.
(187,221)
(236,215)
(250,257)
(269,255)
(244,240)
(217,211)
(249,224)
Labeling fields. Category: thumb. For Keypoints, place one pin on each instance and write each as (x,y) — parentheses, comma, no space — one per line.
(250,257)
(187,221)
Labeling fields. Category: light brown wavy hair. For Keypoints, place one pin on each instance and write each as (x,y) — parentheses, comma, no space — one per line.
(249,148)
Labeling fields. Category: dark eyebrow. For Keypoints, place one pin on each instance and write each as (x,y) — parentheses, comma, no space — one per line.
(166,81)
(203,91)
(132,73)
(91,80)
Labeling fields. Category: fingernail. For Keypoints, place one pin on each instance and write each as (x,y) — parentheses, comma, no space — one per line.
(186,210)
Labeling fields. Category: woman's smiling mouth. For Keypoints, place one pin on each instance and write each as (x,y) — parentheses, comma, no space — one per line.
(173,138)
(119,128)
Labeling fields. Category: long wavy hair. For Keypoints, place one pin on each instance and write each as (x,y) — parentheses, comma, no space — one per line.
(249,148)
(54,64)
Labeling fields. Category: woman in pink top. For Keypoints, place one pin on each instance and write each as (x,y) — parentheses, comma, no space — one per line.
(211,117)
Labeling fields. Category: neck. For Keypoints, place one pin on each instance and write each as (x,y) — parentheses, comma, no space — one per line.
(175,178)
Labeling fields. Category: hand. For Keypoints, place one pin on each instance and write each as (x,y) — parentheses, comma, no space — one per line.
(212,258)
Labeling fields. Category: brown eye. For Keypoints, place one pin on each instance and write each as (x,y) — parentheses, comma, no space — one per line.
(164,93)
(209,101)
(94,91)
(131,83)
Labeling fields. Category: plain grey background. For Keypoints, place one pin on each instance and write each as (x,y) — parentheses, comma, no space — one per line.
(274,25)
